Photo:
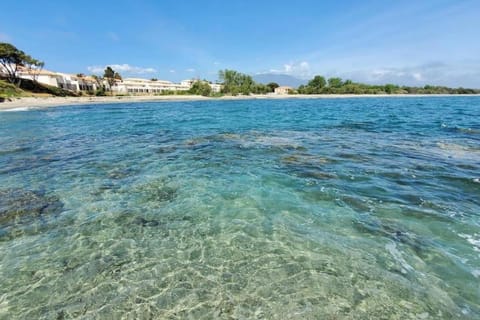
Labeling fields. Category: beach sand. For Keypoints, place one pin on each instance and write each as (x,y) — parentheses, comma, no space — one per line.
(27,103)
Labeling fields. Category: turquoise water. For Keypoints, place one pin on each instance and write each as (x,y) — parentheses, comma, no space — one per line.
(363,208)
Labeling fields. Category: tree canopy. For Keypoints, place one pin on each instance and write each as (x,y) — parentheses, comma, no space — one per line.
(337,86)
(235,83)
(111,76)
(12,58)
(272,86)
(201,88)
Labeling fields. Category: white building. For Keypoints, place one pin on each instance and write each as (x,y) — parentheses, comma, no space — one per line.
(145,86)
(78,83)
(71,82)
(216,87)
(283,90)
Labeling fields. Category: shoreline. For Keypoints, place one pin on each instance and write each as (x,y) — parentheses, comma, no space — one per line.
(30,103)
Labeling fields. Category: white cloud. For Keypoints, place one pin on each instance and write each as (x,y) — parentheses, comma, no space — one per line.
(126,68)
(466,74)
(297,69)
(172,71)
(216,63)
(190,70)
(417,76)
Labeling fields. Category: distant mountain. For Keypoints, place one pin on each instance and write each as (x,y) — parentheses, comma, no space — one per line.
(281,79)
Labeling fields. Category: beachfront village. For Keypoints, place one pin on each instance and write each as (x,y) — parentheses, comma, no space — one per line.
(79,83)
(21,75)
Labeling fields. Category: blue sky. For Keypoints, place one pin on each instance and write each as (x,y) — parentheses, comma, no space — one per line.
(404,42)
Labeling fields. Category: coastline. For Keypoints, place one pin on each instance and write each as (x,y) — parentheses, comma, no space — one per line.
(29,103)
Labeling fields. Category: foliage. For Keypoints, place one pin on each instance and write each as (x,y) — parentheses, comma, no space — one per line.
(111,76)
(335,82)
(173,93)
(108,73)
(28,87)
(235,83)
(100,92)
(337,86)
(154,79)
(272,86)
(201,88)
(8,90)
(12,58)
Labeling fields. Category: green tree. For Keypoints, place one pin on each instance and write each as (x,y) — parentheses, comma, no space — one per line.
(111,76)
(109,72)
(272,86)
(316,84)
(201,88)
(390,88)
(235,82)
(335,82)
(12,58)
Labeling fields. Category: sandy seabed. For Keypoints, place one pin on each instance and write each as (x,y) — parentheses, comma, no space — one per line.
(27,103)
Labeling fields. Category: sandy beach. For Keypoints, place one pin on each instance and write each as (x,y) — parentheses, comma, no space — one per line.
(28,103)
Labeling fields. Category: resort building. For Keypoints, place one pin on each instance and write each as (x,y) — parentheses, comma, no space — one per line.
(77,82)
(71,82)
(216,87)
(283,90)
(145,86)
(80,82)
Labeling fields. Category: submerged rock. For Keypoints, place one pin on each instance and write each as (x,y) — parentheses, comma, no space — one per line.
(389,230)
(307,166)
(15,203)
(157,191)
(145,222)
(304,160)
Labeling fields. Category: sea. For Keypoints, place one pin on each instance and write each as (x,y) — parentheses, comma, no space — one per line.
(352,208)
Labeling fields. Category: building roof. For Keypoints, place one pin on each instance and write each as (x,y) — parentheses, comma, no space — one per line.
(145,80)
(44,72)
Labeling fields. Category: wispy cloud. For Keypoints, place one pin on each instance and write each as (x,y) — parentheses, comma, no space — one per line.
(190,70)
(172,71)
(298,69)
(434,73)
(126,68)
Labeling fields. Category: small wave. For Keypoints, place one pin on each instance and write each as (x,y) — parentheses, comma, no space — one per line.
(473,240)
(460,129)
(17,109)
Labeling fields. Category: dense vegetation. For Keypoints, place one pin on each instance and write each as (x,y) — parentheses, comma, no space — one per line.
(8,90)
(318,85)
(201,88)
(11,59)
(235,83)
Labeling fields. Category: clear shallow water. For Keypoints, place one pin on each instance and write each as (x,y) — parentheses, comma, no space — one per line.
(291,209)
